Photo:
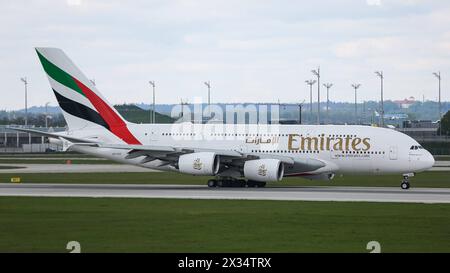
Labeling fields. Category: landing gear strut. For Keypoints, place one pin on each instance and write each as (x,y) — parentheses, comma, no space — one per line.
(405,182)
(234,183)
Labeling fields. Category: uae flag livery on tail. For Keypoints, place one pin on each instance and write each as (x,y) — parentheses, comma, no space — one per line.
(82,104)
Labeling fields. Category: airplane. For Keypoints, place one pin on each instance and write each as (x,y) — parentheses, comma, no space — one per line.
(236,155)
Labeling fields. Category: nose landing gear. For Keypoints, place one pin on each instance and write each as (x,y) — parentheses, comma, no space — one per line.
(405,182)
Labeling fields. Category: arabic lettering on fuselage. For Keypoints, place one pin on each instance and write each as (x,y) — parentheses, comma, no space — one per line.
(262,140)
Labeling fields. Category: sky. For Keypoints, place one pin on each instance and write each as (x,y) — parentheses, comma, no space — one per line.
(250,50)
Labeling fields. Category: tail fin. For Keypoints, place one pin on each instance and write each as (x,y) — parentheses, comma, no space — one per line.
(82,104)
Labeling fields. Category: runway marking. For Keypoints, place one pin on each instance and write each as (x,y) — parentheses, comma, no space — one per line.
(355,194)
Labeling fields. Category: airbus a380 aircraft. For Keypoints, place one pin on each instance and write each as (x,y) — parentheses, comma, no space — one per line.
(237,155)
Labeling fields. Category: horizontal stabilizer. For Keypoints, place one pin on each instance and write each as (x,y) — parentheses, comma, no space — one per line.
(53,135)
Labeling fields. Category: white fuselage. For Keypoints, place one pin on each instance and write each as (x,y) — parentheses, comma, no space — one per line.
(344,148)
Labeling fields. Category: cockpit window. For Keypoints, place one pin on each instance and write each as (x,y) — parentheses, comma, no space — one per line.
(415,147)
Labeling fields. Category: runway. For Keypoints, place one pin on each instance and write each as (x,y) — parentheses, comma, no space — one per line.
(74,168)
(355,194)
(441,166)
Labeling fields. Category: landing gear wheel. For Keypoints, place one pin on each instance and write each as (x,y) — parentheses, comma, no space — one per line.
(212,183)
(405,182)
(227,183)
(242,183)
(261,184)
(405,185)
(255,184)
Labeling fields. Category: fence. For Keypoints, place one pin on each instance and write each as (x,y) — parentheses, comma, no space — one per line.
(32,148)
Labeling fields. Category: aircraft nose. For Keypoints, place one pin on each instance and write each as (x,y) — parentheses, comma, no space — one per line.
(423,162)
(429,159)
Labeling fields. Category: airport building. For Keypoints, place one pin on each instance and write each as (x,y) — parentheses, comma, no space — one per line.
(12,141)
(420,129)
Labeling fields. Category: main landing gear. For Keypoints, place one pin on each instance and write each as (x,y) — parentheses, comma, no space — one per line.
(405,182)
(235,183)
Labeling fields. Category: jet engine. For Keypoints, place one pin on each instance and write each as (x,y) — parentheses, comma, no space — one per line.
(55,141)
(203,163)
(322,176)
(264,170)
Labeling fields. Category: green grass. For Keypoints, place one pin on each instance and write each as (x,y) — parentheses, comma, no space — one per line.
(52,158)
(104,178)
(56,161)
(29,224)
(426,179)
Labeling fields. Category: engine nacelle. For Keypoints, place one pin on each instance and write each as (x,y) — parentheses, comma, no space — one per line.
(264,170)
(203,163)
(55,141)
(322,176)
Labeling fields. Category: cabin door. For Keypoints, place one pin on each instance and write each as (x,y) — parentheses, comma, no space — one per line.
(242,149)
(393,151)
(153,137)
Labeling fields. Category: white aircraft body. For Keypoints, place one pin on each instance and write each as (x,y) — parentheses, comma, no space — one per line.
(235,154)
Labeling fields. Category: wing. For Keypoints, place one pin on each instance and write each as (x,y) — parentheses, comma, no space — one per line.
(54,135)
(168,154)
(229,159)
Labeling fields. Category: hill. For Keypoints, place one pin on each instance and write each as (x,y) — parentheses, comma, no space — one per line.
(133,113)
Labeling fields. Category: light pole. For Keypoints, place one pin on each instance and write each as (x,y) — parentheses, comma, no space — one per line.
(300,113)
(183,103)
(380,74)
(328,86)
(153,115)
(46,115)
(182,108)
(438,76)
(356,86)
(208,84)
(25,82)
(363,113)
(317,73)
(310,83)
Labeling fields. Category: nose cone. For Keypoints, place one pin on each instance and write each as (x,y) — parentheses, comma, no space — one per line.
(428,160)
(422,162)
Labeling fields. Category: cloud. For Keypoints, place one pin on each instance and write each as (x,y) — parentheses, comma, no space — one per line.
(368,47)
(248,49)
(277,43)
(74,2)
(373,2)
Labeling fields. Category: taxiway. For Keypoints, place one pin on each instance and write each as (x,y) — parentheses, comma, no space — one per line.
(355,194)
